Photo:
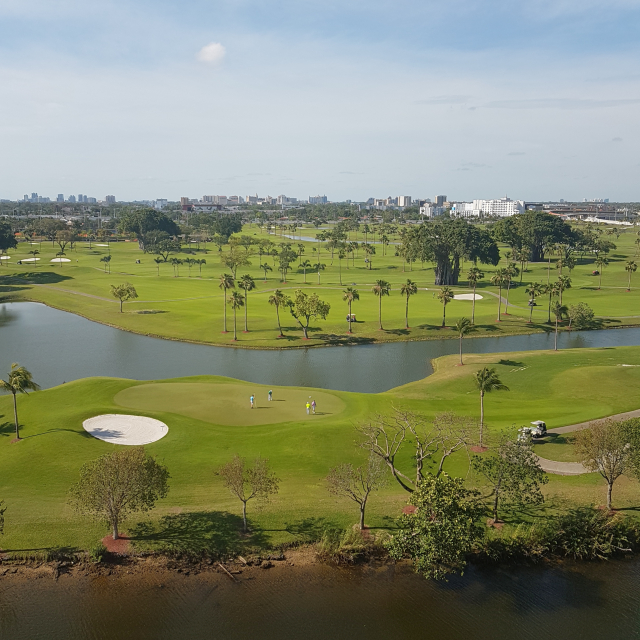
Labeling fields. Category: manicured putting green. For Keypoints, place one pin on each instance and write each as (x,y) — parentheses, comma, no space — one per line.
(228,404)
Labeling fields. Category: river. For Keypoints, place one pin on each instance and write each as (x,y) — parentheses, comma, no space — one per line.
(58,347)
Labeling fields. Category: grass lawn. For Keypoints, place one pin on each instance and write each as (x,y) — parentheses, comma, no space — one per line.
(210,420)
(559,448)
(188,304)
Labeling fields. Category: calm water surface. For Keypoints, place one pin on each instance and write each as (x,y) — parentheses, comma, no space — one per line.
(57,347)
(592,601)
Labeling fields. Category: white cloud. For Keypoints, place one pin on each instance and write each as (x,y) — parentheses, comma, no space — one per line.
(212,53)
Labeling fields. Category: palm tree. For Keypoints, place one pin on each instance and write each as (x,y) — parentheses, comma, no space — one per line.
(278,299)
(408,289)
(486,381)
(499,279)
(265,267)
(533,290)
(601,263)
(350,295)
(304,266)
(631,267)
(18,381)
(564,283)
(511,272)
(463,327)
(473,277)
(107,262)
(341,256)
(552,290)
(226,282)
(236,300)
(200,263)
(247,283)
(158,261)
(319,266)
(380,289)
(445,295)
(559,311)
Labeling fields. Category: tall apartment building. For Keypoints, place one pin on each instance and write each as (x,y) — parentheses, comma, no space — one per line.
(439,201)
(404,201)
(318,200)
(110,199)
(60,197)
(214,199)
(72,199)
(502,207)
(160,203)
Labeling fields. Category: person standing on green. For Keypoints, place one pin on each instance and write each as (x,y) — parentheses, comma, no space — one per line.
(313,406)
(251,399)
(308,407)
(270,395)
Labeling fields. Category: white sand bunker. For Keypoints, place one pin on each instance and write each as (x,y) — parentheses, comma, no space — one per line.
(100,245)
(60,260)
(121,429)
(467,296)
(30,259)
(5,257)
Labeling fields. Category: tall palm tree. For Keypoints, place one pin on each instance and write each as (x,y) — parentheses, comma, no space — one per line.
(564,283)
(381,288)
(236,300)
(486,381)
(319,266)
(601,263)
(226,282)
(265,267)
(158,261)
(350,295)
(511,272)
(499,279)
(533,291)
(473,277)
(278,299)
(304,266)
(18,381)
(630,267)
(247,283)
(445,295)
(408,289)
(463,327)
(553,290)
(560,312)
(341,256)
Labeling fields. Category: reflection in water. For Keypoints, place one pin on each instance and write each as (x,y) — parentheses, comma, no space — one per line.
(590,601)
(58,347)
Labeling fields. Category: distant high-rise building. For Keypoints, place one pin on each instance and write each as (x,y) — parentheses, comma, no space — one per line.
(110,199)
(34,197)
(72,199)
(92,200)
(26,197)
(404,201)
(80,197)
(439,200)
(60,197)
(160,203)
(85,199)
(317,199)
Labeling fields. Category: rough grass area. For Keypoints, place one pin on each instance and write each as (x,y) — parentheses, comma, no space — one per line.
(187,304)
(204,432)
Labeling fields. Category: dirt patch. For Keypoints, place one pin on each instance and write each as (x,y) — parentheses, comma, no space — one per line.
(477,449)
(409,509)
(119,547)
(495,524)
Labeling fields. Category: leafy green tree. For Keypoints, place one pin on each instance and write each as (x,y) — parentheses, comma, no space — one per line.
(234,259)
(474,276)
(381,288)
(19,380)
(514,474)
(350,295)
(304,307)
(442,531)
(464,327)
(560,311)
(286,258)
(247,283)
(124,292)
(248,483)
(408,289)
(236,300)
(630,267)
(487,380)
(279,299)
(141,221)
(7,237)
(118,484)
(445,295)
(225,226)
(534,290)
(581,316)
(447,244)
(357,484)
(226,282)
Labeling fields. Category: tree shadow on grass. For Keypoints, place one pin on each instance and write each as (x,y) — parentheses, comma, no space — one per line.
(200,533)
(12,288)
(35,277)
(7,428)
(511,363)
(309,529)
(335,339)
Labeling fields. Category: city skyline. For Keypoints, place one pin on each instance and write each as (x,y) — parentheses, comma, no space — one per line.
(476,99)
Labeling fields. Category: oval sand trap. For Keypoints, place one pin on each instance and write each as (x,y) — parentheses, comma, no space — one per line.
(121,429)
(30,259)
(60,260)
(467,296)
(228,404)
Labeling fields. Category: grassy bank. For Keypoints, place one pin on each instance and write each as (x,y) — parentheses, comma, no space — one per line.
(210,420)
(188,305)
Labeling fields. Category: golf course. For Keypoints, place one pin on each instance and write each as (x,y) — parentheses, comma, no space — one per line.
(209,420)
(185,302)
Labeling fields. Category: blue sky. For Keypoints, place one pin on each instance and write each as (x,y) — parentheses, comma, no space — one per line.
(353,99)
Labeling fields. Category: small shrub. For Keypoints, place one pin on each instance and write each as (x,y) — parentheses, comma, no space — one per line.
(343,546)
(97,553)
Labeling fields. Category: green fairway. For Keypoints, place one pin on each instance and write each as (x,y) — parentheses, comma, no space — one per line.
(187,304)
(228,403)
(210,420)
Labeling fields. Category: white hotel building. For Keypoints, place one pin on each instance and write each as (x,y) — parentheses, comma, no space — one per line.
(502,208)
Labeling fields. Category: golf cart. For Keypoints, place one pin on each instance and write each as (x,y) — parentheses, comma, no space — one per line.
(538,430)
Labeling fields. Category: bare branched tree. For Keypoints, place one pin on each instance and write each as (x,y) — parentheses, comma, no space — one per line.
(357,484)
(385,436)
(247,483)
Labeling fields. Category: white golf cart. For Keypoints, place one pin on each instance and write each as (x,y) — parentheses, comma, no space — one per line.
(538,430)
